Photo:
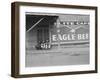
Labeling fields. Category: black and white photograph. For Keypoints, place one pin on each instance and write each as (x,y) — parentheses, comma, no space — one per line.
(52,39)
(55,40)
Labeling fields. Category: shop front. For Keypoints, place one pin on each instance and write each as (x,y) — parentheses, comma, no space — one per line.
(48,32)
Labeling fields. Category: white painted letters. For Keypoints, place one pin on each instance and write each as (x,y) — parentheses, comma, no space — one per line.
(66,37)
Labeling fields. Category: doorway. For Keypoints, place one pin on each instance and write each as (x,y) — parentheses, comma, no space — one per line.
(43,37)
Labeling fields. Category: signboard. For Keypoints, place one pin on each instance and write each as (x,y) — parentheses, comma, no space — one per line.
(70,32)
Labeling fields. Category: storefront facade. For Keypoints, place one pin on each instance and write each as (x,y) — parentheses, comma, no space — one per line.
(59,30)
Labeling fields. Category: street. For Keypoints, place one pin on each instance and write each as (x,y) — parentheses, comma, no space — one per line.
(64,56)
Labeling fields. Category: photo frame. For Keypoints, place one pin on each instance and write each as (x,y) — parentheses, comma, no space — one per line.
(53,39)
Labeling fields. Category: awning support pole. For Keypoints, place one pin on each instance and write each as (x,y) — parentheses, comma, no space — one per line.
(58,32)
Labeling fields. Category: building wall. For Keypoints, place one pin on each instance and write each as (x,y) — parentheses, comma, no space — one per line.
(67,24)
(31,39)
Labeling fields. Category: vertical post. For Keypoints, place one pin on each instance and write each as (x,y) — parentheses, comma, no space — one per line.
(49,33)
(58,32)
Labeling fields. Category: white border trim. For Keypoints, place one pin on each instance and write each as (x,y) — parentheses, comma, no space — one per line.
(70,68)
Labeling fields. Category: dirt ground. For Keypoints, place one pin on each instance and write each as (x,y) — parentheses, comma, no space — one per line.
(57,57)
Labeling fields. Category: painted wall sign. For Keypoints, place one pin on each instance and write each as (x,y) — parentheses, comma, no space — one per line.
(66,37)
(71,32)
